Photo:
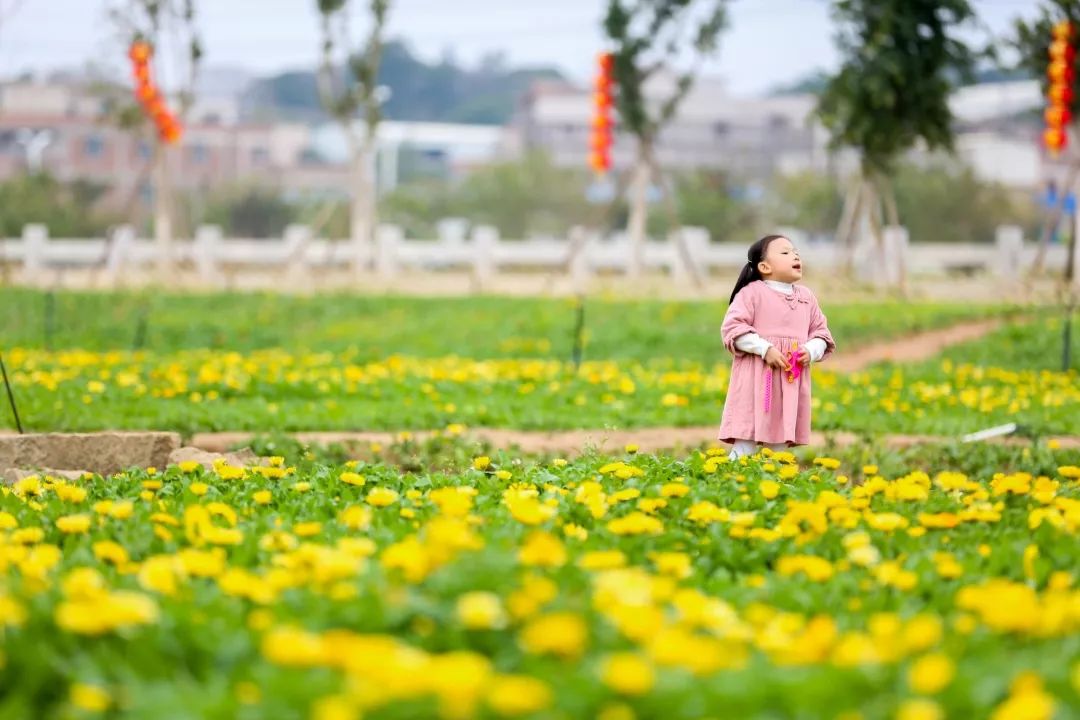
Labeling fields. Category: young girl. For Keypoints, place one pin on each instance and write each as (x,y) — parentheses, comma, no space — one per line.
(769,320)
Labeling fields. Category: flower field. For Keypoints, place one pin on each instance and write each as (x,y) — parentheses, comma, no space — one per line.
(283,389)
(449,579)
(611,587)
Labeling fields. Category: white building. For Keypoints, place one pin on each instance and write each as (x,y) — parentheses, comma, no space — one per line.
(756,137)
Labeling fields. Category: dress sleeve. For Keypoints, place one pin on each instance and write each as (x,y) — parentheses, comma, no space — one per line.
(819,328)
(738,321)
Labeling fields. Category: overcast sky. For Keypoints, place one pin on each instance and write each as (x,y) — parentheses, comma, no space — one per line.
(768,41)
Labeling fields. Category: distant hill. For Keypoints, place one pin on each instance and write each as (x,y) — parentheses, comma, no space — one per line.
(440,92)
(815,81)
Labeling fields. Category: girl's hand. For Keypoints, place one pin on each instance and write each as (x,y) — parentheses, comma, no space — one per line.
(804,357)
(774,359)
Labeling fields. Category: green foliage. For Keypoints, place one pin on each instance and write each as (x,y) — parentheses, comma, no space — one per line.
(647,37)
(708,199)
(345,93)
(901,59)
(949,204)
(809,201)
(67,209)
(1032,40)
(527,197)
(250,213)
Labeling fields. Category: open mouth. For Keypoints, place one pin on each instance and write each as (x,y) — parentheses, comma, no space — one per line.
(797,266)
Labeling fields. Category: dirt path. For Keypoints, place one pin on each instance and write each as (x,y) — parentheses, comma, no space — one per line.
(576,441)
(913,348)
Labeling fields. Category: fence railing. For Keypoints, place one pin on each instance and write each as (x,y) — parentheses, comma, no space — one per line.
(213,259)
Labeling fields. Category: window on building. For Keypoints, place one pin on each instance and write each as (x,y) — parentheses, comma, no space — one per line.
(778,122)
(199,153)
(721,128)
(143,149)
(94,146)
(260,156)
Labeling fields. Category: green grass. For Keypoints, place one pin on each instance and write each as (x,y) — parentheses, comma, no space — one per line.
(375,327)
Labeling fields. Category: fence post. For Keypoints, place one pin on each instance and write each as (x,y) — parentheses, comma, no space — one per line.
(388,240)
(896,254)
(205,251)
(485,238)
(1010,251)
(35,239)
(119,253)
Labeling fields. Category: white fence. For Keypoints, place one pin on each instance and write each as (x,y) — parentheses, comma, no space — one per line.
(214,258)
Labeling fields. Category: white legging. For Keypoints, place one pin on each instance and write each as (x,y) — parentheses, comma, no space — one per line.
(749,447)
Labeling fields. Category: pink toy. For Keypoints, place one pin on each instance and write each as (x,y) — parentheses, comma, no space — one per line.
(794,372)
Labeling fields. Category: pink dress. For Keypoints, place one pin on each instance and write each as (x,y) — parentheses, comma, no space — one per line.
(783,320)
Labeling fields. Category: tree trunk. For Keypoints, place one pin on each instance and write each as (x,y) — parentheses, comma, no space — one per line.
(362,207)
(892,219)
(673,219)
(846,231)
(163,230)
(639,214)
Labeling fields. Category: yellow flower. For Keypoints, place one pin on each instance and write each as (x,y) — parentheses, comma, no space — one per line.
(481,463)
(931,674)
(199,488)
(631,448)
(352,478)
(616,711)
(307,529)
(628,673)
(161,573)
(576,532)
(670,490)
(189,466)
(481,611)
(89,697)
(675,564)
(513,695)
(563,634)
(334,707)
(503,474)
(73,524)
(262,497)
(769,489)
(381,497)
(293,647)
(1027,701)
(542,549)
(355,517)
(920,710)
(602,560)
(110,552)
(11,613)
(827,462)
(636,523)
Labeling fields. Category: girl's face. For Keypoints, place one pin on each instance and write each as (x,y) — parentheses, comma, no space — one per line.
(781,262)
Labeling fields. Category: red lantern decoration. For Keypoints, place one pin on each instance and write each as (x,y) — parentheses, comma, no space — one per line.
(1061,75)
(1054,139)
(139,52)
(168,128)
(1057,116)
(1059,71)
(600,139)
(1062,50)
